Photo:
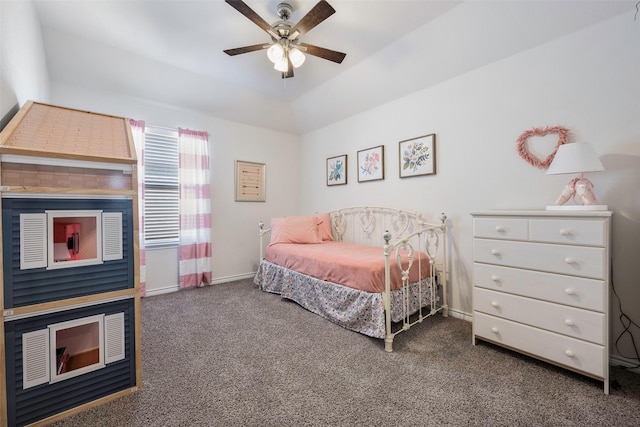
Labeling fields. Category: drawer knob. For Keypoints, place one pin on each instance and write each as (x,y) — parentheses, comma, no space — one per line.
(495,304)
(500,229)
(569,291)
(495,252)
(569,260)
(569,353)
(569,322)
(495,278)
(565,232)
(494,330)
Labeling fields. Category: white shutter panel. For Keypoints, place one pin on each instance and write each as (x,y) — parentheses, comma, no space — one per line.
(111,236)
(161,191)
(33,240)
(114,337)
(35,358)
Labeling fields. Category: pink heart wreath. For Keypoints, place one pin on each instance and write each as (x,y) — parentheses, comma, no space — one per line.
(563,136)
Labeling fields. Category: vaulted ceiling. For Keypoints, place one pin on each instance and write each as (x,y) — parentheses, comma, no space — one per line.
(171,52)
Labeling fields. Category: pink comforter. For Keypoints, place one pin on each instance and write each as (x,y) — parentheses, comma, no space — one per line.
(356,266)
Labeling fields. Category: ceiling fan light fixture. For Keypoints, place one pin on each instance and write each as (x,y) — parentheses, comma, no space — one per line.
(297,57)
(285,50)
(282,64)
(275,53)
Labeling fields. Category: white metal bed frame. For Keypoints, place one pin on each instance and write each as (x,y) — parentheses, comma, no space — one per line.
(400,233)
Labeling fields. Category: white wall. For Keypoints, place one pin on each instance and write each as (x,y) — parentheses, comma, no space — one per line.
(587,82)
(23,69)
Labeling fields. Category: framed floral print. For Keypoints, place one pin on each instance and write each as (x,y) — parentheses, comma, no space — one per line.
(371,164)
(418,156)
(337,170)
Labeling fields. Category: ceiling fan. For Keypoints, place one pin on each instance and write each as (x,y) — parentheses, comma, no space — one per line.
(286,49)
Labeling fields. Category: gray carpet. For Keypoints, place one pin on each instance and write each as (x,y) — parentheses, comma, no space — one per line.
(231,355)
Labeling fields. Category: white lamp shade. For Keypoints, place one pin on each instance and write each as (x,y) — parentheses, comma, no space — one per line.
(297,58)
(282,65)
(275,52)
(576,157)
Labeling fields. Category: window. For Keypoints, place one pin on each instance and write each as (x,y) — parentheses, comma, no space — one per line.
(161,191)
(78,346)
(75,347)
(63,239)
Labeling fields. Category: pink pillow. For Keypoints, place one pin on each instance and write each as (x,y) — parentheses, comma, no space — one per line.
(324,227)
(295,229)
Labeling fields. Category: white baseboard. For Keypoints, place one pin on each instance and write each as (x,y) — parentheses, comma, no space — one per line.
(215,281)
(460,315)
(631,364)
(160,291)
(218,280)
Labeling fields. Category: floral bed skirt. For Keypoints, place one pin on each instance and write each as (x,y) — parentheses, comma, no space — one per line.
(353,309)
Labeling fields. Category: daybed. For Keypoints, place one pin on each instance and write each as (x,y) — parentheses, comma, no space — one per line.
(377,271)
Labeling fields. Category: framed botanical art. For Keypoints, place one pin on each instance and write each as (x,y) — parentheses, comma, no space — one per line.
(250,181)
(337,170)
(418,156)
(371,164)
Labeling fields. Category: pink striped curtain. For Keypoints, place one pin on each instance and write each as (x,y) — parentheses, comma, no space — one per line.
(137,130)
(195,209)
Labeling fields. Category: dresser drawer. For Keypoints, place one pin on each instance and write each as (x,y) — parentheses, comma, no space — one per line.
(572,353)
(574,322)
(573,232)
(501,228)
(564,259)
(567,290)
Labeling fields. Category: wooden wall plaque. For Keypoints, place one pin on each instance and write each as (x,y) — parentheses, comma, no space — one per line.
(250,181)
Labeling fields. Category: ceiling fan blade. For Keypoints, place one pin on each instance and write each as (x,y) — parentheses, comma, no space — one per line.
(244,9)
(319,13)
(323,53)
(245,49)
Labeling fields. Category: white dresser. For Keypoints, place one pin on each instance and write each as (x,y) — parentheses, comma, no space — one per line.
(541,286)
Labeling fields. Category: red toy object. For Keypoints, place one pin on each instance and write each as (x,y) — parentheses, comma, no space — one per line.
(69,234)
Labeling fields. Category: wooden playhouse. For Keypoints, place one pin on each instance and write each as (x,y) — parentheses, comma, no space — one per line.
(69,275)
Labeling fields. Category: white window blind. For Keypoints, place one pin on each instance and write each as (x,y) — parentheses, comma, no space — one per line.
(161,191)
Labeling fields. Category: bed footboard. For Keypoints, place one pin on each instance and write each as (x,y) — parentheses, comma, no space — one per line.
(431,239)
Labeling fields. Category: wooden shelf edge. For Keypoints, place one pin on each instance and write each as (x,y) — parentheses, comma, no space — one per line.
(66,190)
(70,303)
(68,156)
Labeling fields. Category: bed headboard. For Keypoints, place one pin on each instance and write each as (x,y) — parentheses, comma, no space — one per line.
(368,225)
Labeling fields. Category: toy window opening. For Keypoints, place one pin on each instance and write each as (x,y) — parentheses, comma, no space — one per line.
(77,347)
(74,238)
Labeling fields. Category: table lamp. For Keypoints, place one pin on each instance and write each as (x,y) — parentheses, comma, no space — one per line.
(576,157)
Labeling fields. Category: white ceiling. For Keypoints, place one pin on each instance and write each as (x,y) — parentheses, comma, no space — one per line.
(171,52)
